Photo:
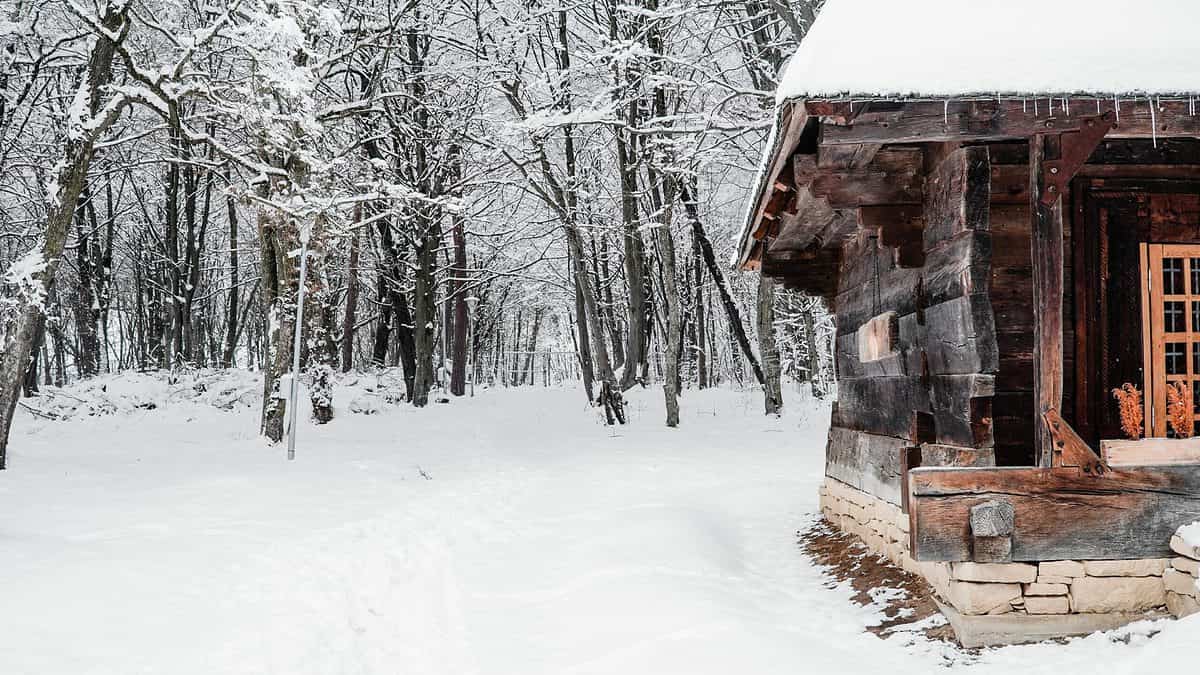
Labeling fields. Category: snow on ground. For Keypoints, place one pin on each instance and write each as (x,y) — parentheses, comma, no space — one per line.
(508,533)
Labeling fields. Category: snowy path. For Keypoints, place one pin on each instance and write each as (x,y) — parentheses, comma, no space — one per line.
(174,541)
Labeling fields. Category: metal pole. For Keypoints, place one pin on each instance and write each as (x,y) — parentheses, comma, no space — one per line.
(291,411)
(472,301)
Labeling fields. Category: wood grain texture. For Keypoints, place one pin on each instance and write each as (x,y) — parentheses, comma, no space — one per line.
(1059,513)
(868,462)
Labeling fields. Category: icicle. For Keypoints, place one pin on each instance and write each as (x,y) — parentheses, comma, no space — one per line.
(1035,107)
(1067,106)
(1191,105)
(1097,106)
(1117,107)
(1050,102)
(946,111)
(1153,125)
(1024,105)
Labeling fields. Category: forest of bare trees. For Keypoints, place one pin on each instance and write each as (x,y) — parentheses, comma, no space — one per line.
(484,193)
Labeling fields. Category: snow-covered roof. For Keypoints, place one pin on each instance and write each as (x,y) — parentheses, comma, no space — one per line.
(907,48)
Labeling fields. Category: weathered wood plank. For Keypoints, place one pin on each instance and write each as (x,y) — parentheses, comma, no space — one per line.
(1048,282)
(962,409)
(935,454)
(957,267)
(957,195)
(989,120)
(892,177)
(1124,452)
(897,290)
(869,462)
(960,336)
(1059,513)
(883,405)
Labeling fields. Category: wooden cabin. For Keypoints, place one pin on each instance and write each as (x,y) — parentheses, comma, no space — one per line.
(998,264)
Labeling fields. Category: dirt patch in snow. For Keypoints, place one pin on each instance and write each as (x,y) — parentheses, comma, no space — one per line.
(905,600)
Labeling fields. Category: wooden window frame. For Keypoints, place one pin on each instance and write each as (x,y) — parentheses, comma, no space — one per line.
(1154,336)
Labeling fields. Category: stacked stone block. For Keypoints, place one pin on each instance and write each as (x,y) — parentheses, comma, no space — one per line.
(1043,588)
(1183,595)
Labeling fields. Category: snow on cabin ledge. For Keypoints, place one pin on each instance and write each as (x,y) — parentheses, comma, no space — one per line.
(859,50)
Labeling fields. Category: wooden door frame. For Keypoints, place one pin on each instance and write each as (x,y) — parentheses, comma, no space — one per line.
(1089,292)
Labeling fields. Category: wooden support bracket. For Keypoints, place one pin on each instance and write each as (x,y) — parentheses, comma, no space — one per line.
(1077,146)
(1069,449)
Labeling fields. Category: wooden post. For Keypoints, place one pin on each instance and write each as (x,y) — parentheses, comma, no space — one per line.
(1047,238)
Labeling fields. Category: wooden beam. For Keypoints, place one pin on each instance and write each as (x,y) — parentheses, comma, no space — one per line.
(992,120)
(1060,513)
(1047,250)
(1069,448)
(894,176)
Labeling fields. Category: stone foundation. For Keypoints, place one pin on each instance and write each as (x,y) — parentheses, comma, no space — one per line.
(1058,587)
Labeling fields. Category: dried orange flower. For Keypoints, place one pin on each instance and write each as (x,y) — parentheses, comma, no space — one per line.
(1129,404)
(1179,409)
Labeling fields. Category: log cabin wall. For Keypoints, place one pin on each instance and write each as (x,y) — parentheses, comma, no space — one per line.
(1012,301)
(928,400)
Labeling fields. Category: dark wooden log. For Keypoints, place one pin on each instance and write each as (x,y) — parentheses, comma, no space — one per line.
(883,405)
(1059,513)
(900,227)
(960,336)
(1162,151)
(958,267)
(936,454)
(892,177)
(846,156)
(1010,184)
(989,120)
(814,270)
(1047,257)
(868,462)
(957,195)
(962,409)
(798,230)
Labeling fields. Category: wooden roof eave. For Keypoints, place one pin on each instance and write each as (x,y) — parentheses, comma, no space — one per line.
(789,126)
(845,121)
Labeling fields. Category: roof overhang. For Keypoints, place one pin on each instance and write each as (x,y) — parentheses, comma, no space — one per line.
(845,131)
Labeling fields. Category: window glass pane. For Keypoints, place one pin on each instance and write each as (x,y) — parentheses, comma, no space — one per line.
(1195,358)
(1196,316)
(1195,397)
(1173,317)
(1194,268)
(1175,356)
(1172,276)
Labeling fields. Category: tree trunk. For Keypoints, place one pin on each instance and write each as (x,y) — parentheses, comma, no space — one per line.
(731,311)
(666,253)
(228,358)
(88,356)
(278,238)
(582,345)
(71,174)
(772,391)
(698,317)
(424,313)
(351,298)
(458,295)
(815,382)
